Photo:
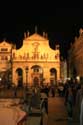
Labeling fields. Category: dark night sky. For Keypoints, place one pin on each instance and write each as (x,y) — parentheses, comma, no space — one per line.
(61,21)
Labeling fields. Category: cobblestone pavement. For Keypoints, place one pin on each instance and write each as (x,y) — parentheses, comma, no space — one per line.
(57,112)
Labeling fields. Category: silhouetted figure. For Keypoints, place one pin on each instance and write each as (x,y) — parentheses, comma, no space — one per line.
(53,90)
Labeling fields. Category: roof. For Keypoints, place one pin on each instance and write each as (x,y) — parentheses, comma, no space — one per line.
(37,37)
(4,43)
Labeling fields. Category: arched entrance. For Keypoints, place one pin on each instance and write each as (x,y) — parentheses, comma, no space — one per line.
(37,75)
(53,76)
(3,78)
(19,72)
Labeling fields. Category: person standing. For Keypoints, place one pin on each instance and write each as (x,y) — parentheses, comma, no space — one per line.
(81,113)
(70,103)
(53,90)
(79,97)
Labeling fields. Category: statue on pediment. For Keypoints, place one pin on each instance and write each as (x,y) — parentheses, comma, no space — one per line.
(25,35)
(35,45)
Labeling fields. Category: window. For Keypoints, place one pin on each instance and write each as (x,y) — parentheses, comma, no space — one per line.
(4,49)
(36,70)
(4,58)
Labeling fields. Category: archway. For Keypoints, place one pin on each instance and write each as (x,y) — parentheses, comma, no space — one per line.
(53,76)
(19,72)
(37,75)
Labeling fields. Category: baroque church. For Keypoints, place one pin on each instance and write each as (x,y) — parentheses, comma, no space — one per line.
(34,63)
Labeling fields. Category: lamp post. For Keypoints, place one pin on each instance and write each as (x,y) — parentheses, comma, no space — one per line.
(26,69)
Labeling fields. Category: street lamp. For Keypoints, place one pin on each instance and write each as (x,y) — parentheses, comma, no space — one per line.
(26,69)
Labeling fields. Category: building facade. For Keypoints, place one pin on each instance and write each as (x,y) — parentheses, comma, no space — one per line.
(63,70)
(33,64)
(76,56)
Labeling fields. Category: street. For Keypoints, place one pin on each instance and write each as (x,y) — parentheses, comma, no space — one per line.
(57,113)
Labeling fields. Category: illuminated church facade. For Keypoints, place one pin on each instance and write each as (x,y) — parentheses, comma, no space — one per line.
(32,64)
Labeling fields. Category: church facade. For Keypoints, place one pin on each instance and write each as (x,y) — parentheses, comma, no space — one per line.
(32,64)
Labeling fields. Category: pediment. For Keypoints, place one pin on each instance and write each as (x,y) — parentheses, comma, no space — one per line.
(36,37)
(4,43)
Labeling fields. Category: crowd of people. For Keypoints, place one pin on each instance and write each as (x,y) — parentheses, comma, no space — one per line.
(73,94)
(71,91)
